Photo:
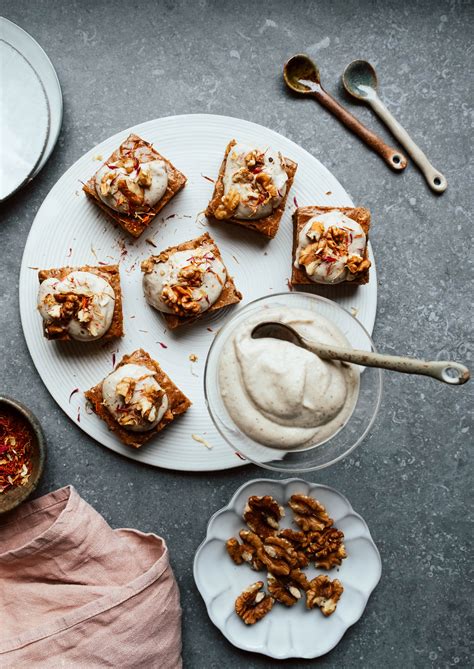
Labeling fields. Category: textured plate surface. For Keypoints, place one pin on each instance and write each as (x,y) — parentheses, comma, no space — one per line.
(294,632)
(77,233)
(32,51)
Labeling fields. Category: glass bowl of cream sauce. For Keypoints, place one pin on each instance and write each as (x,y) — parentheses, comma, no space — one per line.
(281,406)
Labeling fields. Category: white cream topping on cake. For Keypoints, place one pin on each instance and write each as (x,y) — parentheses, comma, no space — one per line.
(134,397)
(82,303)
(331,248)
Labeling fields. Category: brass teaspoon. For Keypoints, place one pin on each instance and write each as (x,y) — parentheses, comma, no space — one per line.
(447,371)
(301,75)
(360,81)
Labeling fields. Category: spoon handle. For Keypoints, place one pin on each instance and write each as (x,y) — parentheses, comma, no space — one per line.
(436,181)
(394,158)
(444,370)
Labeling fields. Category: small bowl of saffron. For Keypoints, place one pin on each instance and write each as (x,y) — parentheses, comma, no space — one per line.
(22,453)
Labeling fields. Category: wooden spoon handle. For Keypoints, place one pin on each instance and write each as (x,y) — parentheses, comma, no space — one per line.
(395,159)
(447,371)
(436,181)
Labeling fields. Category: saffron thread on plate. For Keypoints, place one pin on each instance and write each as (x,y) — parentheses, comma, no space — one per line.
(76,390)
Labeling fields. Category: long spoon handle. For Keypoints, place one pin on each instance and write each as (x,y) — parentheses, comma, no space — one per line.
(394,158)
(444,370)
(434,178)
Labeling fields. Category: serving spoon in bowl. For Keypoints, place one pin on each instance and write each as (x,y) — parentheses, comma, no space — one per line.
(360,81)
(301,75)
(447,371)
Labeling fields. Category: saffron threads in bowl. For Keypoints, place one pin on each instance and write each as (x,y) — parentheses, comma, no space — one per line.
(16,444)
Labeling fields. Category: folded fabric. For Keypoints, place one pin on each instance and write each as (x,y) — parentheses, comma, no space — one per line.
(76,593)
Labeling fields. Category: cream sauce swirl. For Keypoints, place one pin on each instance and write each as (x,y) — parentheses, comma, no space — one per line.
(281,395)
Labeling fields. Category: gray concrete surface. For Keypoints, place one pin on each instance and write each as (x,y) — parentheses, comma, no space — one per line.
(121,63)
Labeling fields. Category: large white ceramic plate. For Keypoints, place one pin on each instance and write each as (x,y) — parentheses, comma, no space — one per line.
(294,632)
(69,229)
(32,51)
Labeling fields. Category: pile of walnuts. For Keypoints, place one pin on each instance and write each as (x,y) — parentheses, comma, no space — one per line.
(283,553)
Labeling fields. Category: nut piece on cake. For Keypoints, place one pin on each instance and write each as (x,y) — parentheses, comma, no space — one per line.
(330,245)
(134,184)
(81,303)
(324,594)
(252,188)
(137,400)
(253,604)
(185,281)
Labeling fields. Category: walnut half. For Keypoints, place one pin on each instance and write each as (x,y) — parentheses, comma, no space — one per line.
(262,515)
(324,594)
(327,547)
(278,556)
(253,604)
(248,551)
(310,514)
(228,205)
(287,589)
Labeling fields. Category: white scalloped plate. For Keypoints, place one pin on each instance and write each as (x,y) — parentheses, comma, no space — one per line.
(70,230)
(294,632)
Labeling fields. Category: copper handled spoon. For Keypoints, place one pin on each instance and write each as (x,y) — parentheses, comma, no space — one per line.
(447,371)
(360,81)
(301,75)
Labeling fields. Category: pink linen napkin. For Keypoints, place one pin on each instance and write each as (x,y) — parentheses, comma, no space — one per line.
(76,593)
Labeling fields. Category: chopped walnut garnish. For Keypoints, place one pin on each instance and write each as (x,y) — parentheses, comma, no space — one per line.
(191,275)
(131,191)
(242,176)
(253,604)
(265,185)
(324,594)
(180,299)
(309,254)
(126,387)
(262,515)
(327,547)
(316,230)
(144,177)
(310,514)
(336,236)
(254,158)
(356,265)
(63,307)
(228,205)
(146,406)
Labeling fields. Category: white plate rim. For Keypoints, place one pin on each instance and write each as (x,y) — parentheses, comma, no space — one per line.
(48,76)
(142,128)
(231,506)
